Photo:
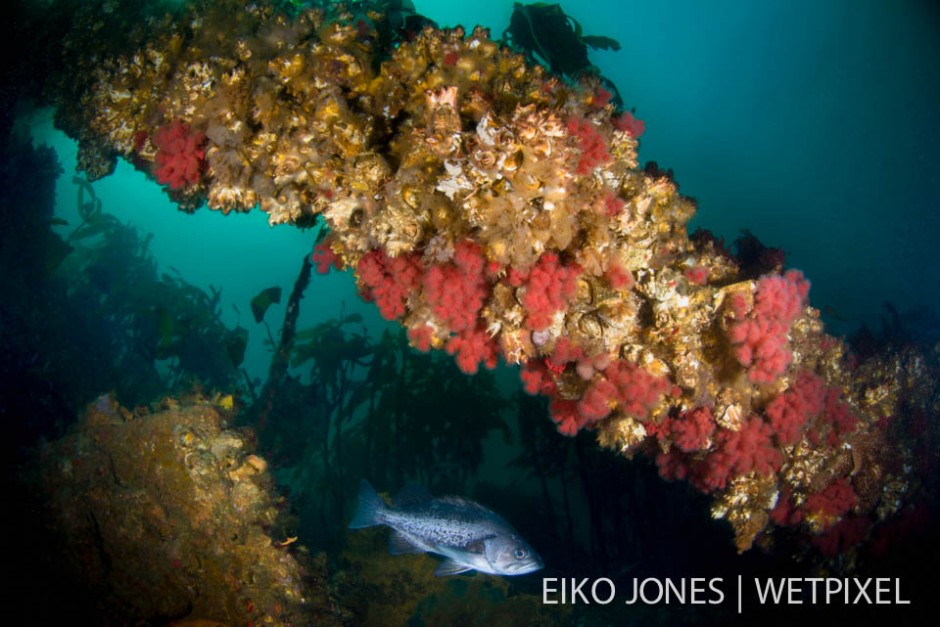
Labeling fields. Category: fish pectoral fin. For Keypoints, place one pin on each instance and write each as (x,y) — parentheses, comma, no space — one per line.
(480,546)
(450,567)
(477,546)
(399,544)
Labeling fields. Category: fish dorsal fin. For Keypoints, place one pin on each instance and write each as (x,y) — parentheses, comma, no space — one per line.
(450,567)
(459,501)
(399,544)
(412,494)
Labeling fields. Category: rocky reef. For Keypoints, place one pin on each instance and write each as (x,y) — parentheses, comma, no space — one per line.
(171,516)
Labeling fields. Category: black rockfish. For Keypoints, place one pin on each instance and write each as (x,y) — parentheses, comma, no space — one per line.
(469,535)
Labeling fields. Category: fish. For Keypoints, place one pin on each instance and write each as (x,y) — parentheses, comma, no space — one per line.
(468,535)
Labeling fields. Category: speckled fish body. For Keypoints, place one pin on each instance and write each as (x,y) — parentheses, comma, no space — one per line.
(469,535)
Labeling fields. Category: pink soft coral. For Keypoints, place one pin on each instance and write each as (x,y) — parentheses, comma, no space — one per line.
(549,287)
(672,465)
(422,337)
(473,348)
(629,124)
(844,535)
(692,429)
(598,400)
(565,351)
(638,390)
(632,389)
(389,280)
(785,512)
(591,142)
(739,452)
(456,290)
(536,378)
(323,257)
(789,412)
(180,155)
(566,415)
(760,337)
(834,501)
(836,420)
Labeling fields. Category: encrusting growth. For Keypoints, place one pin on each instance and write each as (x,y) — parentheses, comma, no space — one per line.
(496,211)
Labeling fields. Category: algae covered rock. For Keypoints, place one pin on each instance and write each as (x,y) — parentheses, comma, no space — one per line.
(170,516)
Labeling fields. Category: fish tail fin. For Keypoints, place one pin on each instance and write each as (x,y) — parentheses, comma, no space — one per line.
(370,509)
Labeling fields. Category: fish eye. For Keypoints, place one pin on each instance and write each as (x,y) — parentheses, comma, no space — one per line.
(521,554)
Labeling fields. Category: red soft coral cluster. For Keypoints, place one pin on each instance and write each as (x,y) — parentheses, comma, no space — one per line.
(847,533)
(831,508)
(421,337)
(832,502)
(673,465)
(591,142)
(600,98)
(836,422)
(566,415)
(456,290)
(789,412)
(180,155)
(389,280)
(598,400)
(548,287)
(323,257)
(620,385)
(612,205)
(625,386)
(760,337)
(785,512)
(749,449)
(564,352)
(473,348)
(536,378)
(691,431)
(629,124)
(827,507)
(812,408)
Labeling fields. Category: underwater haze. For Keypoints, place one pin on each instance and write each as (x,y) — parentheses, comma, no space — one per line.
(196,403)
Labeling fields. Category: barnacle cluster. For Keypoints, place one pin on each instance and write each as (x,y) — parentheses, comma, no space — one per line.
(447,137)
